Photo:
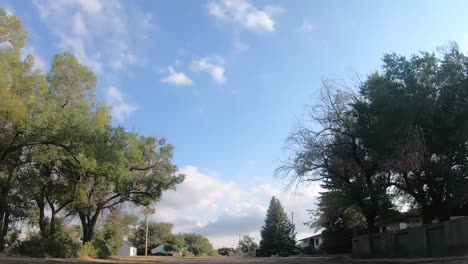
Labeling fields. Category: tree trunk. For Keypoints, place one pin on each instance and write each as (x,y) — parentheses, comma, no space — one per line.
(4,230)
(53,224)
(89,223)
(370,231)
(427,215)
(42,218)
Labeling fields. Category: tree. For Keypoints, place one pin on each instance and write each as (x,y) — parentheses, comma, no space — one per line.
(340,220)
(247,244)
(117,225)
(121,168)
(176,243)
(59,150)
(197,244)
(278,233)
(413,117)
(158,234)
(329,149)
(224,251)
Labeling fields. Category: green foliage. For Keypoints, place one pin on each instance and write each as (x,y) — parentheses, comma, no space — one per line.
(176,244)
(158,234)
(213,253)
(247,244)
(224,251)
(59,151)
(87,250)
(104,248)
(197,244)
(61,246)
(402,137)
(278,233)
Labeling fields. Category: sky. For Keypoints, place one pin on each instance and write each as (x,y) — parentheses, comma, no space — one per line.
(226,81)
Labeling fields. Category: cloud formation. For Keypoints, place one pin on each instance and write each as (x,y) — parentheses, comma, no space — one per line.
(85,26)
(121,109)
(214,66)
(243,14)
(306,27)
(220,210)
(177,78)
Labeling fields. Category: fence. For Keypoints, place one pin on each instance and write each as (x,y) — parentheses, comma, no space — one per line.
(440,239)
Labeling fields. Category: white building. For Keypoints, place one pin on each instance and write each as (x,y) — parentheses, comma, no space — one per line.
(312,241)
(126,249)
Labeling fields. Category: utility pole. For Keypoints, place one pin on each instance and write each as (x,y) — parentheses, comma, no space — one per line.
(238,244)
(292,218)
(146,239)
(147,211)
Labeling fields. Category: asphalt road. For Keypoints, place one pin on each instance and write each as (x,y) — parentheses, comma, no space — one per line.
(226,260)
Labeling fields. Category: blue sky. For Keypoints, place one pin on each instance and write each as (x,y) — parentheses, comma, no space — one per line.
(225,81)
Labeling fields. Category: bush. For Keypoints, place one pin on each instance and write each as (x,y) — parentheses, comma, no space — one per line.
(58,247)
(35,248)
(103,249)
(87,250)
(213,253)
(311,250)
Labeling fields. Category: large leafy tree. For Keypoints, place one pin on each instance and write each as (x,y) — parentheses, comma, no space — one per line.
(197,244)
(413,115)
(58,149)
(278,234)
(122,168)
(328,148)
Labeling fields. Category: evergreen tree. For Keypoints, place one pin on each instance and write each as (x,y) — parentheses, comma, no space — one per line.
(278,233)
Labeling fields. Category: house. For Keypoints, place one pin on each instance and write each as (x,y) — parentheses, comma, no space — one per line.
(312,241)
(126,249)
(160,250)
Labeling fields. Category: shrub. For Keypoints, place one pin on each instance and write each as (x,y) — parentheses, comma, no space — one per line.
(35,247)
(213,253)
(103,250)
(58,247)
(87,250)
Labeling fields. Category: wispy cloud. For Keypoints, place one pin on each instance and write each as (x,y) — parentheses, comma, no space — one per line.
(306,27)
(244,14)
(239,46)
(214,66)
(9,10)
(121,109)
(177,78)
(84,27)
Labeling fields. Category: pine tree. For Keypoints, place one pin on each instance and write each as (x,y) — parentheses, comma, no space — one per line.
(278,233)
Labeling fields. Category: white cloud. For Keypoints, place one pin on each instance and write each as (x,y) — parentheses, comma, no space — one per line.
(213,66)
(306,27)
(100,33)
(79,25)
(244,14)
(219,210)
(177,78)
(120,108)
(9,10)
